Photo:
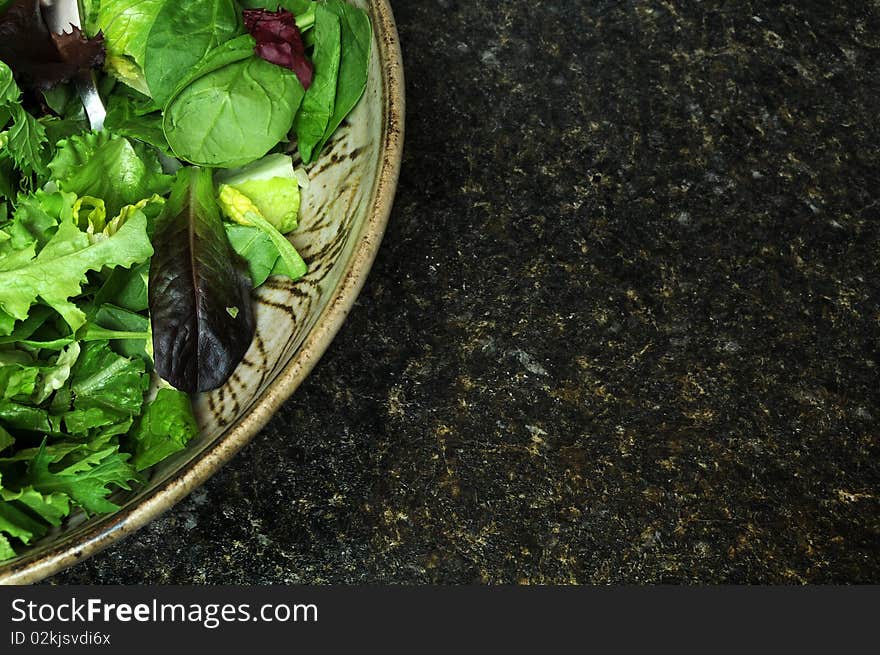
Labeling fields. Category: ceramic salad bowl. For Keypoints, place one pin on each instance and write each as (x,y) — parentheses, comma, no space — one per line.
(343,217)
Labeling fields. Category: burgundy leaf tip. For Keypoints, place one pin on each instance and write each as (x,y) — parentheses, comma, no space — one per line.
(279,41)
(76,48)
(39,59)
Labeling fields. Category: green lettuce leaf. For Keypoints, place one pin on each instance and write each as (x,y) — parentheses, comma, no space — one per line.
(29,381)
(110,167)
(16,523)
(7,323)
(239,208)
(6,439)
(105,391)
(58,271)
(56,451)
(129,331)
(261,254)
(37,217)
(165,428)
(126,25)
(25,139)
(23,416)
(25,513)
(6,551)
(17,380)
(271,185)
(56,375)
(87,482)
(50,507)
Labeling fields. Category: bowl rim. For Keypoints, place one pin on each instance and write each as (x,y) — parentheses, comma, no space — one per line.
(110,529)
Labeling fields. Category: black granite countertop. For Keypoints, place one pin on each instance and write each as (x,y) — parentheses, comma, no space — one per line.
(624,327)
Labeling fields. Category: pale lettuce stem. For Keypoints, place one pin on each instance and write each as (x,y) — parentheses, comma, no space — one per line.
(306,20)
(96,333)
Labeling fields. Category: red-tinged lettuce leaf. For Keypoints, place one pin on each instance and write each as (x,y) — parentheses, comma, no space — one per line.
(80,51)
(39,59)
(279,41)
(199,290)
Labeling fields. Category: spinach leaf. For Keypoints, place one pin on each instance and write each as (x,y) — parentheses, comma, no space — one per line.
(233,115)
(123,119)
(237,49)
(182,33)
(197,283)
(126,288)
(354,65)
(318,104)
(123,327)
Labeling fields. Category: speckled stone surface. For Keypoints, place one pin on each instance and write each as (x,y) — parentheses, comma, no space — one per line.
(625,325)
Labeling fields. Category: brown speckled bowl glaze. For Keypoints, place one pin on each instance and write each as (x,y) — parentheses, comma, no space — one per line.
(345,210)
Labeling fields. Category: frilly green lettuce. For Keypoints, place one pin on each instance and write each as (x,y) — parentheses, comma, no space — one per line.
(117,170)
(56,273)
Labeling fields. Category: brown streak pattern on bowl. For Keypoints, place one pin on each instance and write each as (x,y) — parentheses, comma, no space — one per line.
(339,237)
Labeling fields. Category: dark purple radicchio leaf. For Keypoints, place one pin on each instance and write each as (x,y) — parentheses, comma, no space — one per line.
(200,291)
(38,59)
(279,41)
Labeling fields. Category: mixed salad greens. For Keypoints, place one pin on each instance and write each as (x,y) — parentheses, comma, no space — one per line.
(128,255)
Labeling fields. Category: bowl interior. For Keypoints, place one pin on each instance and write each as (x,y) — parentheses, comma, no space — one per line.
(344,212)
